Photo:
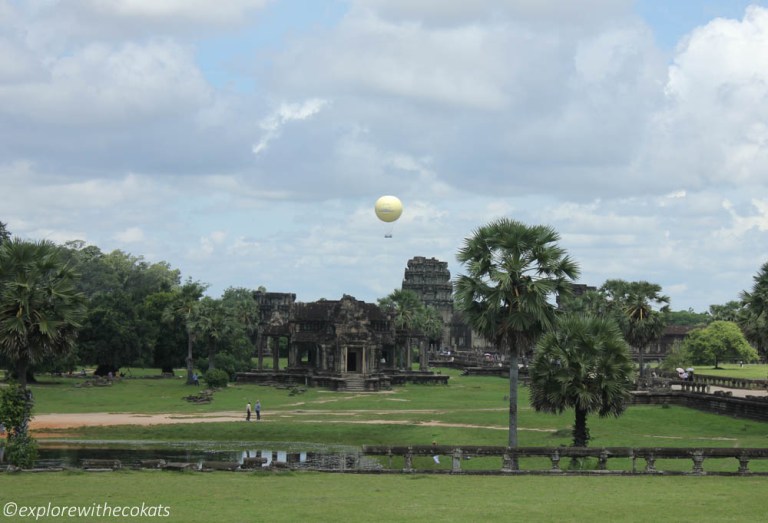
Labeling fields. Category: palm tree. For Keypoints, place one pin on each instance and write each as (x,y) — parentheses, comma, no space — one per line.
(753,318)
(584,364)
(40,308)
(407,309)
(513,272)
(430,323)
(185,308)
(633,304)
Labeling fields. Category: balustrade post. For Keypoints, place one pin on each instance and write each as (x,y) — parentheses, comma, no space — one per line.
(743,464)
(456,461)
(602,461)
(650,463)
(555,457)
(409,460)
(698,461)
(510,462)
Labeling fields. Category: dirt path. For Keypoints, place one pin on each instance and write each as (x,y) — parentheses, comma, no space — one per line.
(44,422)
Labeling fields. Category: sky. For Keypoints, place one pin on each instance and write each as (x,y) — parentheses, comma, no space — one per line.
(245,142)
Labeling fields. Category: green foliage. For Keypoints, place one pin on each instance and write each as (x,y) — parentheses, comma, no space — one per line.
(753,318)
(15,411)
(216,378)
(677,357)
(513,272)
(688,318)
(226,362)
(122,325)
(719,341)
(583,364)
(41,309)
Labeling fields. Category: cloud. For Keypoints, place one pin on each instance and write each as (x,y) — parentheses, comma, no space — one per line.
(130,235)
(272,124)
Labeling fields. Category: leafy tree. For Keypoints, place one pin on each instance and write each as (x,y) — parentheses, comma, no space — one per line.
(583,364)
(40,307)
(244,314)
(688,318)
(676,357)
(121,327)
(718,341)
(513,272)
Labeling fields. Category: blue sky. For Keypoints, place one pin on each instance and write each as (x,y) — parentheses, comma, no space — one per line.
(245,141)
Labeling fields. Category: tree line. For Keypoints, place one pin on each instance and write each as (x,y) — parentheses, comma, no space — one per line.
(65,307)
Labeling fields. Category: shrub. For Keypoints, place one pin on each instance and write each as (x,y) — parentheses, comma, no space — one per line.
(15,410)
(216,378)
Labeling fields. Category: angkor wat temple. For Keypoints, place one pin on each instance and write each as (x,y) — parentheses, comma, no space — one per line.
(345,345)
(351,345)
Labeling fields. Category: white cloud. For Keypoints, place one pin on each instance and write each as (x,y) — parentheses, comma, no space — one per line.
(130,235)
(272,124)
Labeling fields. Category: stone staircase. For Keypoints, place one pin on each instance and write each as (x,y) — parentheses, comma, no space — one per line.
(354,383)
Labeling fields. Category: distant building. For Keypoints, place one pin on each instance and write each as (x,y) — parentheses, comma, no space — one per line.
(345,344)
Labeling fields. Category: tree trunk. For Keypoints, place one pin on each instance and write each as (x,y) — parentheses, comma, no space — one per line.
(211,358)
(580,430)
(513,378)
(190,362)
(21,372)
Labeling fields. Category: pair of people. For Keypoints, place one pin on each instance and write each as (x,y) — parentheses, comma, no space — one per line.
(256,409)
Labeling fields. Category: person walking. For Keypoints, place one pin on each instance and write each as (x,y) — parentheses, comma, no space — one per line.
(248,412)
(257,408)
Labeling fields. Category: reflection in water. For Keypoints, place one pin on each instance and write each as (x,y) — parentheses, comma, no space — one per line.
(69,453)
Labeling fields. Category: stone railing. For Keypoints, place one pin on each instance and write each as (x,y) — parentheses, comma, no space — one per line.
(568,460)
(731,383)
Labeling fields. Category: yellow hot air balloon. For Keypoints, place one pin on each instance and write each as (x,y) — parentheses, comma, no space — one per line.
(388,209)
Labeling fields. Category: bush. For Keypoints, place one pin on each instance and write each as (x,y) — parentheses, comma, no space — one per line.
(15,411)
(226,362)
(216,378)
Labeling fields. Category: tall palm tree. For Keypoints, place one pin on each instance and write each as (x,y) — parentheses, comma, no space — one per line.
(584,364)
(407,309)
(430,324)
(185,308)
(640,310)
(513,272)
(753,318)
(40,308)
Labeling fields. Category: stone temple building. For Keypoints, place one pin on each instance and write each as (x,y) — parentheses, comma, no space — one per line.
(430,279)
(345,344)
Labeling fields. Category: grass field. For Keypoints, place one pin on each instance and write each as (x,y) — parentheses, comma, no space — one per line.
(469,411)
(734,370)
(290,497)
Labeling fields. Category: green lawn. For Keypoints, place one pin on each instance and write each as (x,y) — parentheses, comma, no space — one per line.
(290,497)
(469,411)
(750,371)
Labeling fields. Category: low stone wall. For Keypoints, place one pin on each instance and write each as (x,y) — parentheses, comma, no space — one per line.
(750,408)
(640,460)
